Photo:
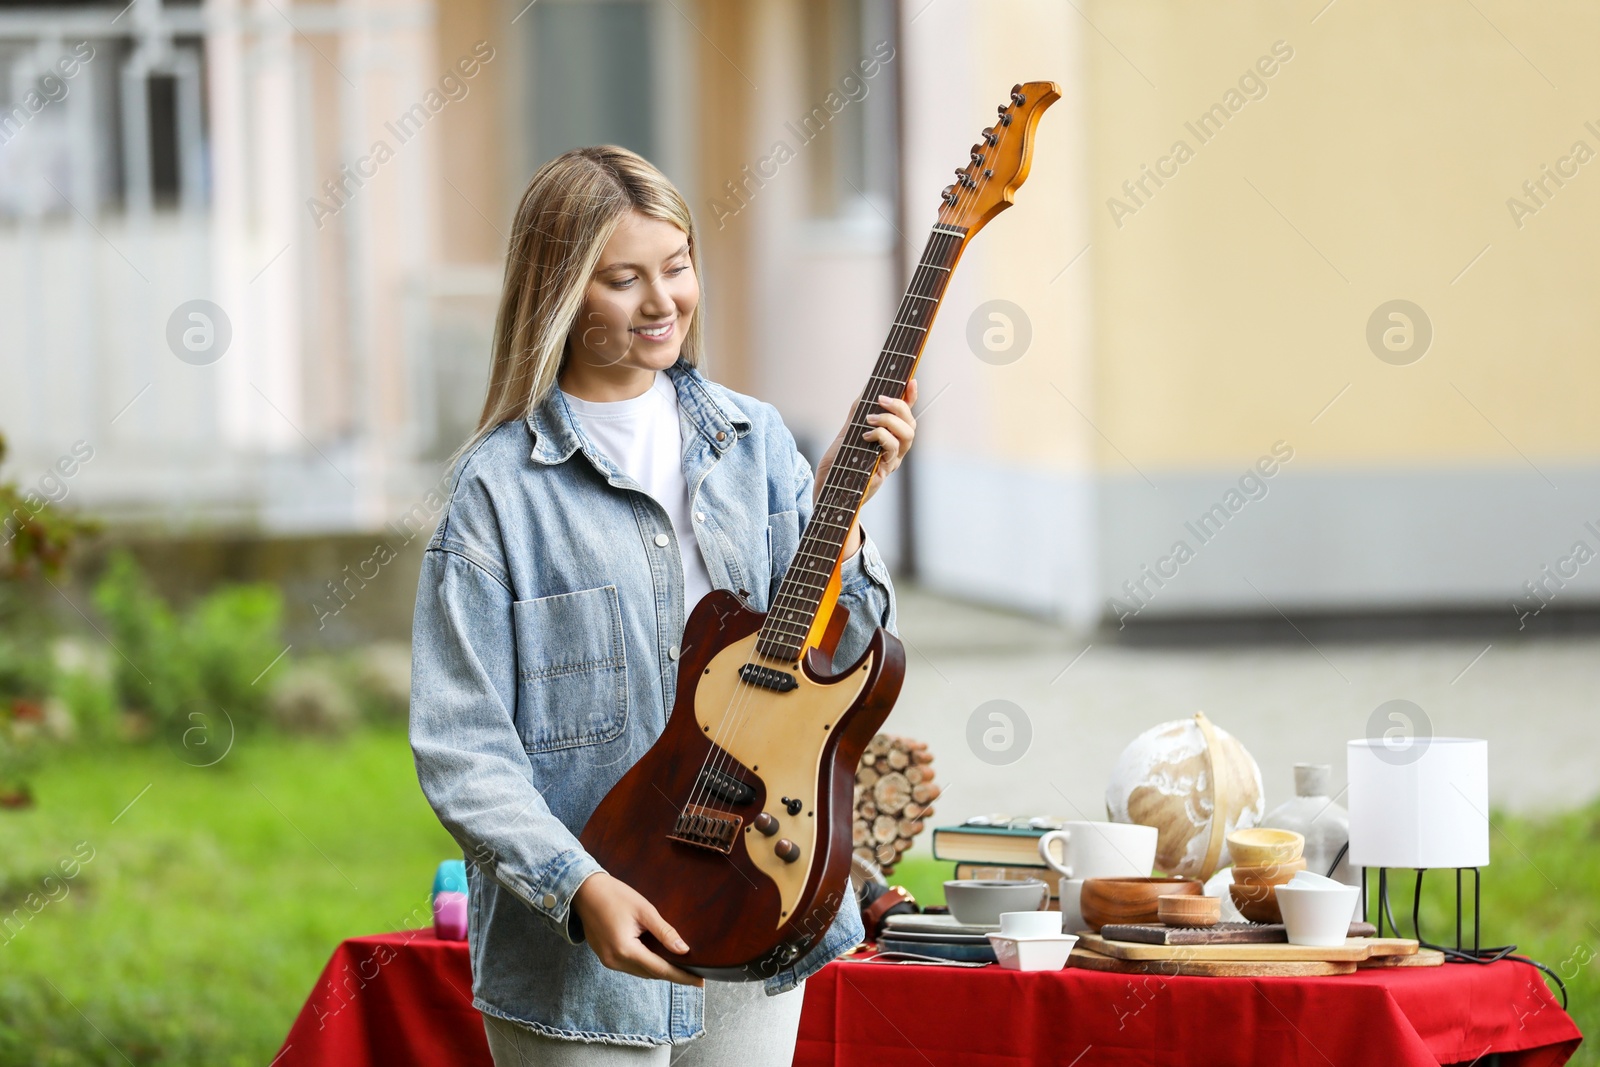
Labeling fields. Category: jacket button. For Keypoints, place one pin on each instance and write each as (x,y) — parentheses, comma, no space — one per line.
(662,540)
(721,436)
(548,900)
(699,516)
(672,653)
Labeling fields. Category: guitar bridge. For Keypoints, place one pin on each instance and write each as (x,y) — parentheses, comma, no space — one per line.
(706,828)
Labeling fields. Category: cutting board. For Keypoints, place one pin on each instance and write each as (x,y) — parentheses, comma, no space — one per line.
(1094,961)
(1353,950)
(1423,957)
(1219,934)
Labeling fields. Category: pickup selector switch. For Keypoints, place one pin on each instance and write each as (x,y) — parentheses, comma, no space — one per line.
(793,806)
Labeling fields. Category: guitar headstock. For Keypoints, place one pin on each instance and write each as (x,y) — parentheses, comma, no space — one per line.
(999,162)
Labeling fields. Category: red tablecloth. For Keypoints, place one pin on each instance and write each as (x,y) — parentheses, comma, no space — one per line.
(405,998)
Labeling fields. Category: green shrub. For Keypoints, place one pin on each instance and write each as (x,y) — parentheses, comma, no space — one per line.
(171,668)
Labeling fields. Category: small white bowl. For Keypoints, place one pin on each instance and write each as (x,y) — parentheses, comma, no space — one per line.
(1319,917)
(1033,953)
(1030,923)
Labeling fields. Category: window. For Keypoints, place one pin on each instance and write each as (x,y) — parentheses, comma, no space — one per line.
(848,128)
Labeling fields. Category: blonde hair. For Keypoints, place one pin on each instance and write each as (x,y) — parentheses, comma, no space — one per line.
(568,212)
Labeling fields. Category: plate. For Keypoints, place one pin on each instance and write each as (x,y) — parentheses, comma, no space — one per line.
(950,938)
(936,924)
(965,953)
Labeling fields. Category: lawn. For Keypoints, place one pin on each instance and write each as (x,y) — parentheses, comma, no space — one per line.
(205,910)
(195,921)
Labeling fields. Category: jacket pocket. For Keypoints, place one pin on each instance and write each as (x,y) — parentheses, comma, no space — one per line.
(572,678)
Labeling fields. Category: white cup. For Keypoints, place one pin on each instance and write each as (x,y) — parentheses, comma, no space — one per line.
(1071,905)
(1101,850)
(1316,916)
(1030,923)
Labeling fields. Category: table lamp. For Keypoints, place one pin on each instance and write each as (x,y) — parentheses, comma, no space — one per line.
(1422,804)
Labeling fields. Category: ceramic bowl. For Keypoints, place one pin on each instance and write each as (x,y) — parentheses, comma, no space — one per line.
(1188,911)
(1033,953)
(1256,902)
(979,902)
(1268,874)
(1317,916)
(1129,900)
(1260,846)
(1030,923)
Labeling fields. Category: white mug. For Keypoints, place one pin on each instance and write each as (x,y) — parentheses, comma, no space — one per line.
(1101,850)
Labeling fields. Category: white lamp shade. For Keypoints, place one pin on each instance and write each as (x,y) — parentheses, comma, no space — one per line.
(1426,806)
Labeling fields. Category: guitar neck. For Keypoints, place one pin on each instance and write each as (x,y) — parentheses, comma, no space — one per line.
(793,611)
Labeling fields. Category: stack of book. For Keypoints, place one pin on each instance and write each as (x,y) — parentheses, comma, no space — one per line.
(990,852)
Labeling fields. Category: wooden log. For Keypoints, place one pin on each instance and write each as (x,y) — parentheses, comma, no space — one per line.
(885,828)
(860,833)
(910,827)
(867,776)
(924,792)
(891,792)
(899,758)
(867,810)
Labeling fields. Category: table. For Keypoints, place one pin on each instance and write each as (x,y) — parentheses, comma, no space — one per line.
(405,998)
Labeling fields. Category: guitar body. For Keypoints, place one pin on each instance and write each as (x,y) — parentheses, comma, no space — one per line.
(787,753)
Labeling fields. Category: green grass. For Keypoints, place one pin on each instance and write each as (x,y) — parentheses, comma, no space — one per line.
(210,905)
(1541,893)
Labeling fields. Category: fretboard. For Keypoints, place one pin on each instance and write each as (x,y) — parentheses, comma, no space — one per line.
(794,609)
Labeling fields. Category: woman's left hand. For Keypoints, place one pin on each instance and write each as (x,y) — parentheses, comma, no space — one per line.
(894,428)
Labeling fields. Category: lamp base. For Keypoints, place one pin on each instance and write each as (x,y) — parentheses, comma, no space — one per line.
(1461,952)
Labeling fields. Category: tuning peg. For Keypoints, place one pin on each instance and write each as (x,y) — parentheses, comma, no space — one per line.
(949,194)
(976,156)
(988,136)
(1018,99)
(1002,110)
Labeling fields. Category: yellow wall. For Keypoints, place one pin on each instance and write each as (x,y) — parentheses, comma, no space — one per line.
(1391,141)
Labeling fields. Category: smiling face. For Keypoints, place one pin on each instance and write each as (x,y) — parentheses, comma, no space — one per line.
(636,310)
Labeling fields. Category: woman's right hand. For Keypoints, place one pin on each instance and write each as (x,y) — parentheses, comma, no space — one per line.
(614,914)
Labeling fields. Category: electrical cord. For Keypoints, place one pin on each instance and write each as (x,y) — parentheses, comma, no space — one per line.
(1453,955)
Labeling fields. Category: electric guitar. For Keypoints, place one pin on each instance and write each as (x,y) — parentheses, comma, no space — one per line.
(736,823)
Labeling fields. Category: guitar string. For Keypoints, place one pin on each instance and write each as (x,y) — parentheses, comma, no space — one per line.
(719,756)
(938,249)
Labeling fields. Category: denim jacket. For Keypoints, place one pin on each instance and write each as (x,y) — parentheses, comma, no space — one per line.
(544,664)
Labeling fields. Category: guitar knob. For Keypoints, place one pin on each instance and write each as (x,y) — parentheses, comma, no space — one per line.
(787,850)
(766,823)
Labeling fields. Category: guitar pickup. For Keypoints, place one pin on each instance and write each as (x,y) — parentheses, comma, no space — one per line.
(726,788)
(706,828)
(768,677)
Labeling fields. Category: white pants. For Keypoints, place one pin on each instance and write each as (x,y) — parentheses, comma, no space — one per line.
(744,1028)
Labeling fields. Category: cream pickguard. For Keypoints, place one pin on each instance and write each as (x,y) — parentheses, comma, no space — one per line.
(780,737)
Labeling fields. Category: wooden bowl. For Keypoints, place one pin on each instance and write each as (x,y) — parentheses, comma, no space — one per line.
(1269,874)
(1257,903)
(1260,846)
(1130,900)
(1175,910)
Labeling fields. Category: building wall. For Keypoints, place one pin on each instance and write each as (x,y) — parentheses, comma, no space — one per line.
(1232,304)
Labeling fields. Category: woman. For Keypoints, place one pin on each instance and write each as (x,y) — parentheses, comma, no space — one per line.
(608,487)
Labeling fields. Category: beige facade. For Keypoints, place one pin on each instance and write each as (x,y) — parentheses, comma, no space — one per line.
(1222,205)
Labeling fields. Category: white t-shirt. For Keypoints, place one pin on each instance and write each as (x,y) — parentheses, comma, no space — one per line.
(641,435)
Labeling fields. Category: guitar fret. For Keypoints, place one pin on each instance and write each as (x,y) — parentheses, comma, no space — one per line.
(913,326)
